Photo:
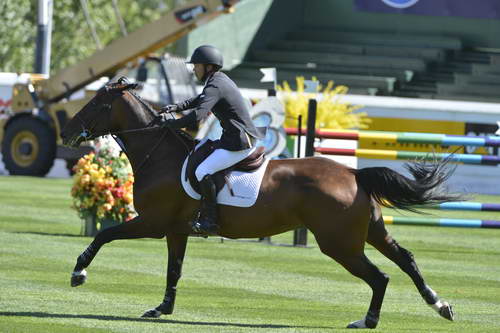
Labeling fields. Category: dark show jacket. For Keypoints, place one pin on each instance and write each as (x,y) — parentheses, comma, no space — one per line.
(222,97)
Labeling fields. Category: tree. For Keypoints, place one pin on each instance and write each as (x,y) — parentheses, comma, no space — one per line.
(17,36)
(71,37)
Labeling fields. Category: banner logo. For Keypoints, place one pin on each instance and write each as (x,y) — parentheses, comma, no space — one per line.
(400,3)
(187,14)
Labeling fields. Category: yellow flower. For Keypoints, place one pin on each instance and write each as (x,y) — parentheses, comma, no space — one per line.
(331,112)
(84,179)
(93,174)
(81,162)
(128,197)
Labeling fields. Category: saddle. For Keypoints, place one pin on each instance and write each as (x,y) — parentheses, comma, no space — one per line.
(198,155)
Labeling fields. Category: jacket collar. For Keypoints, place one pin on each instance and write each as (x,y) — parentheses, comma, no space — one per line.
(208,78)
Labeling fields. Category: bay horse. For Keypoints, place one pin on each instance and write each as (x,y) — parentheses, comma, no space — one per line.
(339,205)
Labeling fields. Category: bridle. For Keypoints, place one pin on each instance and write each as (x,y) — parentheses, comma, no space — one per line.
(110,88)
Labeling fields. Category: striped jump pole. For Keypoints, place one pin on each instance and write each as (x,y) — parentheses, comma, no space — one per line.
(464,205)
(405,155)
(405,137)
(441,222)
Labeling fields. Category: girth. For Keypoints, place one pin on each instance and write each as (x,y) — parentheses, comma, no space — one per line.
(196,157)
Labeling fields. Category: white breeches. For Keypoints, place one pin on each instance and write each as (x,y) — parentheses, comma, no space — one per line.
(221,159)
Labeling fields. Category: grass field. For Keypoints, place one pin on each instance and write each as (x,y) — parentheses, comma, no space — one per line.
(230,286)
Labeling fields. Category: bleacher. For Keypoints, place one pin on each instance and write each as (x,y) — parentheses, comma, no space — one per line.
(378,64)
(464,75)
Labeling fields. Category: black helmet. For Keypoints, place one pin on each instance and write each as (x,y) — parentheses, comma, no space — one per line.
(206,54)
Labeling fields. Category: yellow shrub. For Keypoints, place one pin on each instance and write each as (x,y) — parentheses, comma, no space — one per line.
(332,113)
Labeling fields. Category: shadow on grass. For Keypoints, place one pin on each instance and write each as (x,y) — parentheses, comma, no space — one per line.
(46,234)
(166,321)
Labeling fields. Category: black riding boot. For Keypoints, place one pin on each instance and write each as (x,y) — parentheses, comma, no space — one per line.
(206,223)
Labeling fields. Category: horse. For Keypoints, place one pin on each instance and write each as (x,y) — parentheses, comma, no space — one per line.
(340,206)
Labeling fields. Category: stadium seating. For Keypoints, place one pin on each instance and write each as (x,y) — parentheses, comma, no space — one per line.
(378,63)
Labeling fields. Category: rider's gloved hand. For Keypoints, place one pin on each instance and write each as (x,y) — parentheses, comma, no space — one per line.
(169,109)
(166,120)
(163,120)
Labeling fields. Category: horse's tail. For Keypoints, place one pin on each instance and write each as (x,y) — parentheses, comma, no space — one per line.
(391,189)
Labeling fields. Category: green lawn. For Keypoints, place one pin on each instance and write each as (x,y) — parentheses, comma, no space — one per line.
(227,286)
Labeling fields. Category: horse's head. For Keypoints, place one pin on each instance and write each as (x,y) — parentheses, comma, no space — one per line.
(95,118)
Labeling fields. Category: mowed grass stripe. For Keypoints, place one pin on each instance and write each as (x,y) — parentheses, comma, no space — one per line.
(228,287)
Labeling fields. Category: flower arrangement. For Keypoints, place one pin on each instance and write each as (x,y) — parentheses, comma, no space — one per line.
(102,186)
(331,113)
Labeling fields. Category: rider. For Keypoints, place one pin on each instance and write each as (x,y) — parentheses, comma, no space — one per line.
(222,97)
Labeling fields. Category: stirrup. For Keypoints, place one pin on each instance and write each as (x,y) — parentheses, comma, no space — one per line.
(211,229)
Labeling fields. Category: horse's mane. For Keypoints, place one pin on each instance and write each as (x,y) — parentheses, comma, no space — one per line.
(183,135)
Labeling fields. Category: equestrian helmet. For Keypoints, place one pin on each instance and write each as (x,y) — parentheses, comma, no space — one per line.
(208,55)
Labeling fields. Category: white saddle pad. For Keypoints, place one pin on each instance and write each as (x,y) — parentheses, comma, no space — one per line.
(245,186)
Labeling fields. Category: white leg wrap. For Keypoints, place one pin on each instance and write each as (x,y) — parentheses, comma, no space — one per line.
(79,273)
(436,306)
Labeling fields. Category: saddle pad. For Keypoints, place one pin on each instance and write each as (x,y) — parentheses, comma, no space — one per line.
(245,186)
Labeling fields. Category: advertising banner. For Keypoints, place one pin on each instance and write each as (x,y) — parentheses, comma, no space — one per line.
(489,9)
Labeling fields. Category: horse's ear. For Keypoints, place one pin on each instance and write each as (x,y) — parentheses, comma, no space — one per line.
(122,80)
(126,86)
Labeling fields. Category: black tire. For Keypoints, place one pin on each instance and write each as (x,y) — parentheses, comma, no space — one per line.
(29,147)
(70,163)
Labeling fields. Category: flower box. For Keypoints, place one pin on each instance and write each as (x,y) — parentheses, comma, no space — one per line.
(102,189)
(91,225)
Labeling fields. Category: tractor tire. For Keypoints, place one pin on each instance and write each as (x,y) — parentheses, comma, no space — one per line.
(29,147)
(70,163)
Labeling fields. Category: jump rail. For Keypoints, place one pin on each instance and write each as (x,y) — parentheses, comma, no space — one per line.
(404,155)
(405,137)
(465,205)
(442,222)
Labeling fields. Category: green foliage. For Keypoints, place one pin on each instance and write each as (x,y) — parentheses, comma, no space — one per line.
(17,36)
(71,36)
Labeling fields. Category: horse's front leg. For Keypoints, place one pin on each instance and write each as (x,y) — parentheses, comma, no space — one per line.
(176,244)
(126,230)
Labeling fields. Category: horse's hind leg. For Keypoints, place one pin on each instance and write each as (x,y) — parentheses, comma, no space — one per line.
(360,266)
(128,230)
(379,238)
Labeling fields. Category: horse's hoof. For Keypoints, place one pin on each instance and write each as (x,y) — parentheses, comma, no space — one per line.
(367,322)
(78,278)
(446,311)
(153,313)
(166,308)
(357,324)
